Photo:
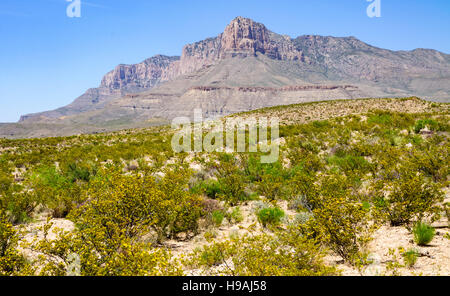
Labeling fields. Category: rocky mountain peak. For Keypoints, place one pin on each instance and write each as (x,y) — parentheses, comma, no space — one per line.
(243,36)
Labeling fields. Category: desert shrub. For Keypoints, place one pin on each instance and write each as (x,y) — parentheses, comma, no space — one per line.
(269,178)
(271,186)
(432,160)
(17,202)
(210,235)
(56,191)
(176,210)
(281,254)
(135,203)
(120,210)
(235,216)
(209,256)
(217,217)
(308,161)
(270,216)
(344,224)
(349,163)
(387,159)
(212,189)
(6,180)
(429,123)
(102,255)
(11,261)
(408,197)
(232,183)
(303,185)
(382,118)
(253,168)
(80,171)
(20,206)
(303,217)
(410,257)
(423,234)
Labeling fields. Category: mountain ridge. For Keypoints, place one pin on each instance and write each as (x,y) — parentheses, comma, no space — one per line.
(247,54)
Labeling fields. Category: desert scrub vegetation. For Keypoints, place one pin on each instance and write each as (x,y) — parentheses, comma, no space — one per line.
(410,197)
(127,193)
(341,218)
(270,216)
(423,233)
(11,261)
(110,225)
(410,257)
(285,253)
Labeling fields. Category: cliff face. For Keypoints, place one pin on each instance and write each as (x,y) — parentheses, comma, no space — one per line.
(144,75)
(272,60)
(241,38)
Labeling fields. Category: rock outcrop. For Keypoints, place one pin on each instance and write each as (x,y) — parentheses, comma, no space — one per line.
(241,38)
(144,75)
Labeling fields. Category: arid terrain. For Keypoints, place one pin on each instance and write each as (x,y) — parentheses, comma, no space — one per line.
(354,180)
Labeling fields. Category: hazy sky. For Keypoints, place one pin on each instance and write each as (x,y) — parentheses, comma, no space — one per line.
(48,59)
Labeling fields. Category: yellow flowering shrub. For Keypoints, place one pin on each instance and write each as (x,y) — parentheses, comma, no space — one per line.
(408,197)
(11,261)
(119,211)
(284,253)
(341,219)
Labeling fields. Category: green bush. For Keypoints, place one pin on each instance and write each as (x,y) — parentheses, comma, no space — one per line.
(381,118)
(270,216)
(112,222)
(217,217)
(136,203)
(209,256)
(271,186)
(17,202)
(212,189)
(56,191)
(349,163)
(421,124)
(410,197)
(341,219)
(410,257)
(423,234)
(232,183)
(20,206)
(236,216)
(429,159)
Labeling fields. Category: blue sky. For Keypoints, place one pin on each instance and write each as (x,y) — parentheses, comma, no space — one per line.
(48,59)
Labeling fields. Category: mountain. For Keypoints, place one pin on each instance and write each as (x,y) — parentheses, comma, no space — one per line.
(244,68)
